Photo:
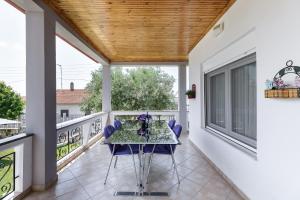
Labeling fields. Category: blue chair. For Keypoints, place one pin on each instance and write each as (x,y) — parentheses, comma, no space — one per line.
(117,149)
(143,117)
(171,123)
(177,130)
(164,149)
(118,124)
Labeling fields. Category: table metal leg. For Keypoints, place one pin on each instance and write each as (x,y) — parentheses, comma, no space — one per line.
(133,163)
(140,185)
(149,165)
(175,166)
(116,160)
(142,177)
(112,155)
(143,167)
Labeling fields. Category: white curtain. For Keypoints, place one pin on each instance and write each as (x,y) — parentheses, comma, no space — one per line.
(243,100)
(218,100)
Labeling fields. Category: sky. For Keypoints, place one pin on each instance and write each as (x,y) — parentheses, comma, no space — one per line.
(75,66)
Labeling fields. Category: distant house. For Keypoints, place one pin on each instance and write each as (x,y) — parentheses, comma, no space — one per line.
(9,127)
(68,103)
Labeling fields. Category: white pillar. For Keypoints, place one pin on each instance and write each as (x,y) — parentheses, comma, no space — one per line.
(86,130)
(182,97)
(106,88)
(41,96)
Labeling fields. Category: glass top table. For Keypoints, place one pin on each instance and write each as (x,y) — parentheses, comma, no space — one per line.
(159,134)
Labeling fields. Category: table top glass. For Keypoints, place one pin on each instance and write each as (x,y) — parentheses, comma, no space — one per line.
(160,133)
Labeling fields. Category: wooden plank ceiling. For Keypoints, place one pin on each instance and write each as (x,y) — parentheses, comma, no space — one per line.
(141,30)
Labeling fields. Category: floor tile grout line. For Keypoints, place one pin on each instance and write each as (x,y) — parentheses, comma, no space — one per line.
(164,168)
(58,182)
(82,186)
(67,192)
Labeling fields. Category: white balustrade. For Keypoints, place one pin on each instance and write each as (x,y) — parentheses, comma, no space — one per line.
(15,165)
(163,114)
(76,134)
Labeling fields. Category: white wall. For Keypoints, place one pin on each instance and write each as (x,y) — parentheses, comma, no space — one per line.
(74,109)
(271,28)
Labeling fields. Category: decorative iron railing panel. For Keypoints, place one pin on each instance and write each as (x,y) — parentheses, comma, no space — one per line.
(96,128)
(75,138)
(62,145)
(73,134)
(156,115)
(68,141)
(7,173)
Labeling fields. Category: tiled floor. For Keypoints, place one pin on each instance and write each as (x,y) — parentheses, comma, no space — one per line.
(83,180)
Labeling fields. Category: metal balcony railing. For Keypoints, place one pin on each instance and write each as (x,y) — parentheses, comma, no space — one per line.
(156,115)
(15,170)
(7,173)
(77,133)
(72,138)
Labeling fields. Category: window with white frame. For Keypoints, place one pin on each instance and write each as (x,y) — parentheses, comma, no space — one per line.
(231,100)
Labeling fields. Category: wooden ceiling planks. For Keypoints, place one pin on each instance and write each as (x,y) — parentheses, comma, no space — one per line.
(141,30)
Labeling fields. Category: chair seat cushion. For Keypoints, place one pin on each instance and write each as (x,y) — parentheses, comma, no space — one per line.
(125,150)
(159,149)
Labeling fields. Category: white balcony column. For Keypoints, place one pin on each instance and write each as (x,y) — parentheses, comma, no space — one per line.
(106,89)
(182,97)
(41,96)
(86,130)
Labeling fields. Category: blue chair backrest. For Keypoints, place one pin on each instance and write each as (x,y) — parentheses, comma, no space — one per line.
(143,117)
(172,123)
(108,131)
(117,124)
(177,130)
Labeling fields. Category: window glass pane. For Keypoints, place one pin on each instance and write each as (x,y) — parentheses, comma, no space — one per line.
(218,99)
(243,98)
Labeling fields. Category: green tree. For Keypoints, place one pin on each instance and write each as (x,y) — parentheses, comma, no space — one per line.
(134,89)
(11,103)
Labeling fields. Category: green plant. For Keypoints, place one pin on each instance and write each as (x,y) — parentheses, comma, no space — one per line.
(190,93)
(133,89)
(11,103)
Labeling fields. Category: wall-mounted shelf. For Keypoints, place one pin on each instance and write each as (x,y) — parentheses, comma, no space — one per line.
(283,93)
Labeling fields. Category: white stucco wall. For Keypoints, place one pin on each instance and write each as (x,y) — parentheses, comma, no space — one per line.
(74,109)
(271,28)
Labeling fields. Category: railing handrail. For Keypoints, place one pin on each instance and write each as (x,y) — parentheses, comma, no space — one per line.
(133,112)
(12,139)
(78,121)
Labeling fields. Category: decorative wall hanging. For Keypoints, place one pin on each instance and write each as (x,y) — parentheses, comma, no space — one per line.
(285,84)
(191,93)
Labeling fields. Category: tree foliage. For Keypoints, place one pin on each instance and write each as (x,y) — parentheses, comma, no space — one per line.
(11,103)
(133,89)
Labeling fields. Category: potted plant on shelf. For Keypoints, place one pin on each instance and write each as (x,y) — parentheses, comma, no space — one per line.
(191,94)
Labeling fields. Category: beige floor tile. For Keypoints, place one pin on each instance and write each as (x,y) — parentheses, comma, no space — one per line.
(38,196)
(90,178)
(84,178)
(233,195)
(106,195)
(182,171)
(214,190)
(188,187)
(78,194)
(176,193)
(66,187)
(171,179)
(96,187)
(198,178)
(191,164)
(65,175)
